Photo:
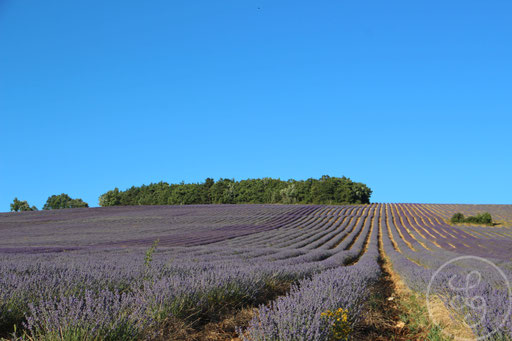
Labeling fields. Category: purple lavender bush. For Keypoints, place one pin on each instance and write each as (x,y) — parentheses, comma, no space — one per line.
(104,315)
(85,274)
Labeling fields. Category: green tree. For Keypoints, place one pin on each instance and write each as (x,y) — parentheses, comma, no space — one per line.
(289,194)
(111,198)
(326,190)
(484,218)
(457,218)
(323,190)
(20,206)
(223,192)
(63,200)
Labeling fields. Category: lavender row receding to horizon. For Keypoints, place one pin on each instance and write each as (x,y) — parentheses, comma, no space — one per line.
(86,272)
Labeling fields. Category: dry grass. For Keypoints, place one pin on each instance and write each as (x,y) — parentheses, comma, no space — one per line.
(450,326)
(216,326)
(381,320)
(416,318)
(397,313)
(224,330)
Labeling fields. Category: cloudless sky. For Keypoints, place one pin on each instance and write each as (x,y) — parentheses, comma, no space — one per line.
(412,98)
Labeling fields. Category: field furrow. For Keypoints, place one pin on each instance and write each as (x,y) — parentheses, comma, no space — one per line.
(157,271)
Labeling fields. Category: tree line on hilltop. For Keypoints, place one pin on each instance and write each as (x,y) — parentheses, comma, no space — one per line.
(53,203)
(326,190)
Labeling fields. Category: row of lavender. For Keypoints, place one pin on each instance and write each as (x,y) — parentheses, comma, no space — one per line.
(300,314)
(330,253)
(422,250)
(122,293)
(437,259)
(501,214)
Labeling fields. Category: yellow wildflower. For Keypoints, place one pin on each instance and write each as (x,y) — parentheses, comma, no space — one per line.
(339,325)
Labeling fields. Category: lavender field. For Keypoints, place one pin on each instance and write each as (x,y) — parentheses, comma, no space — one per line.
(148,272)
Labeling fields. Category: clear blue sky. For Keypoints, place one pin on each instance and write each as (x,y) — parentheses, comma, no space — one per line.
(412,98)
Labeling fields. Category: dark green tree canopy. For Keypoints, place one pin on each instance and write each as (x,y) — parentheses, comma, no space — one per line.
(111,198)
(63,201)
(326,190)
(483,218)
(20,206)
